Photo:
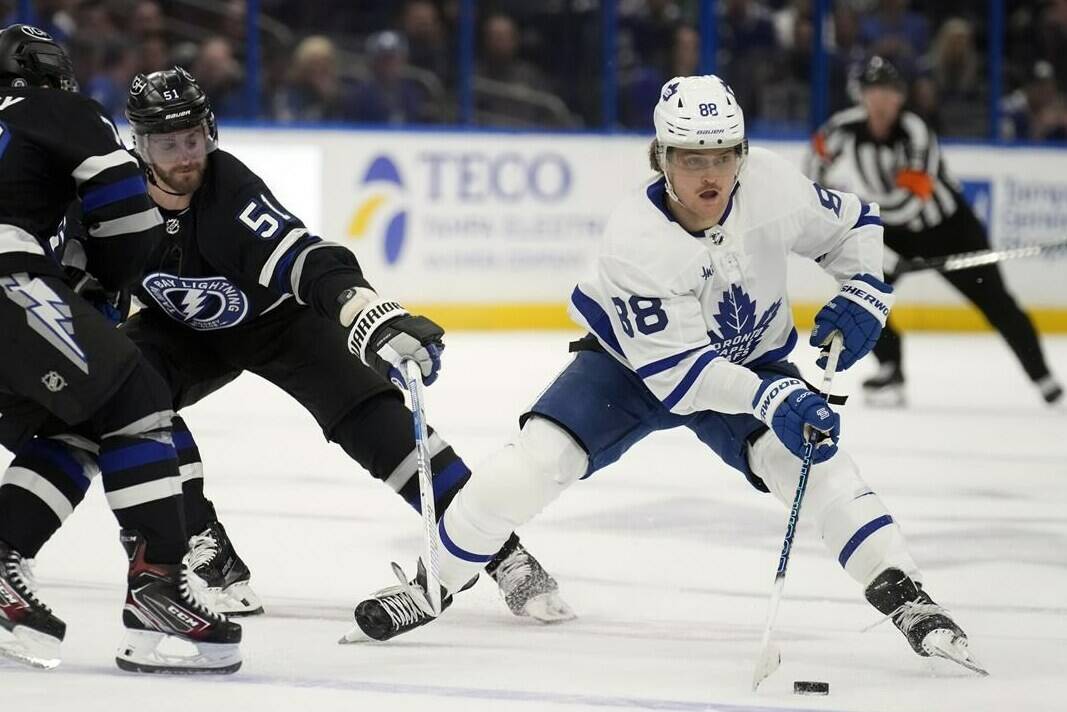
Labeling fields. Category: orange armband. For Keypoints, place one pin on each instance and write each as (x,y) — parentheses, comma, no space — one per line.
(918,183)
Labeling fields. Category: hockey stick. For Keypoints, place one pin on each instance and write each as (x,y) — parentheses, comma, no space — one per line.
(413,376)
(978,258)
(770,656)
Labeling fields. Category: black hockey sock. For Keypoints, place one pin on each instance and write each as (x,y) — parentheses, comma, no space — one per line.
(45,482)
(140,477)
(887,349)
(199,510)
(379,436)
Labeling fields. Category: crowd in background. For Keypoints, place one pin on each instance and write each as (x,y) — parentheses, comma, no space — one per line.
(539,64)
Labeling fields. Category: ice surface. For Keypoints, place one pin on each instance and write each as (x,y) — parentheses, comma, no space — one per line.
(668,557)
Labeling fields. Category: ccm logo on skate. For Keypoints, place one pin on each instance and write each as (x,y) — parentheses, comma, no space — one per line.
(184,617)
(203,303)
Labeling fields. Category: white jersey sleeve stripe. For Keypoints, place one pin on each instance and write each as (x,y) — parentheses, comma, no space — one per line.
(597,319)
(128,225)
(284,244)
(94,165)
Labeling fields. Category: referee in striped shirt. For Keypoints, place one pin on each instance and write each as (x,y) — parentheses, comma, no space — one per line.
(890,156)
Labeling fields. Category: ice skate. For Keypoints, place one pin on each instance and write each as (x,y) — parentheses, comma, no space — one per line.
(397,609)
(29,633)
(527,588)
(927,626)
(168,629)
(885,389)
(220,574)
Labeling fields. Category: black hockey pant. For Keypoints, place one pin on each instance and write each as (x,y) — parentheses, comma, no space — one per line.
(983,286)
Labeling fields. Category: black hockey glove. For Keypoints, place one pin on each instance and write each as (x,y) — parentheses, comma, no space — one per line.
(115,306)
(384,335)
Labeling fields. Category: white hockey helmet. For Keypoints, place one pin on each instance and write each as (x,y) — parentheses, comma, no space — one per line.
(698,113)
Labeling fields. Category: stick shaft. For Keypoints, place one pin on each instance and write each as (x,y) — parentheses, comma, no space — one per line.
(764,664)
(978,258)
(431,560)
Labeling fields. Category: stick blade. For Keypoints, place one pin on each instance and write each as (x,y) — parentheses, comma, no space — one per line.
(769,660)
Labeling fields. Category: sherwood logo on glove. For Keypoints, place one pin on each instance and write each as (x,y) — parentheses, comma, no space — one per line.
(772,393)
(861,295)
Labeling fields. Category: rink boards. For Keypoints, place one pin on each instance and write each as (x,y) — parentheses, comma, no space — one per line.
(491,230)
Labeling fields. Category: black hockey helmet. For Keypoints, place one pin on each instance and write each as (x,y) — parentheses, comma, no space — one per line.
(166,101)
(30,57)
(880,72)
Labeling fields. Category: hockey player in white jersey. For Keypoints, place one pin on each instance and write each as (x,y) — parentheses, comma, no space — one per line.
(690,325)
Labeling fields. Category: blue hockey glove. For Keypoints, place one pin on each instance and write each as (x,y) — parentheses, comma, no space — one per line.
(792,411)
(859,313)
(384,335)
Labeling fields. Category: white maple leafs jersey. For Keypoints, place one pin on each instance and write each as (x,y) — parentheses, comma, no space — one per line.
(693,314)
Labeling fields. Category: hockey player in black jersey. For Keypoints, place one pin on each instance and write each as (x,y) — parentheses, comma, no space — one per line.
(67,376)
(239,284)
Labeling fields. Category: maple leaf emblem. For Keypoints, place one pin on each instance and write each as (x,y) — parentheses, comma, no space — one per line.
(739,330)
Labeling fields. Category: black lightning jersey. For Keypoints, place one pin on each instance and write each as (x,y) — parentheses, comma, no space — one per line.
(236,253)
(56,146)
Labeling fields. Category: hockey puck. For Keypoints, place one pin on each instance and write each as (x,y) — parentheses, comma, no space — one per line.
(808,687)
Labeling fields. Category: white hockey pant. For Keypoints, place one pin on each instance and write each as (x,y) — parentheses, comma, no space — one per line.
(849,518)
(509,489)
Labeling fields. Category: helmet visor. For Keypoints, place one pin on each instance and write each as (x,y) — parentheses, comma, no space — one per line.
(719,162)
(191,144)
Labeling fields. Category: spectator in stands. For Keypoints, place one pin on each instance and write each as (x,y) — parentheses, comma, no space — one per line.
(221,76)
(685,53)
(110,85)
(1049,41)
(390,97)
(787,93)
(427,41)
(95,23)
(1037,111)
(639,84)
(500,59)
(146,19)
(315,90)
(234,22)
(153,53)
(950,91)
(846,52)
(896,33)
(747,50)
(653,24)
(510,90)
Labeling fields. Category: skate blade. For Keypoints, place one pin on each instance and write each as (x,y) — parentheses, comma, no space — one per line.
(770,659)
(237,599)
(945,647)
(887,397)
(548,608)
(354,636)
(153,652)
(30,647)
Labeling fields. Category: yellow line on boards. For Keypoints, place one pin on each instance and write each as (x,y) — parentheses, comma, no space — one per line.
(541,316)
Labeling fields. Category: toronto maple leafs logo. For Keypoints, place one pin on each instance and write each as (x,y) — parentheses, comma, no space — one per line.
(670,91)
(739,331)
